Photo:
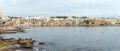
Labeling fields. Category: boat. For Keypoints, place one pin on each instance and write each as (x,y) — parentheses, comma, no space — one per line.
(15,30)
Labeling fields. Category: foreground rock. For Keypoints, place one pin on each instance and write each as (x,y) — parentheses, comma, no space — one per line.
(26,43)
(12,44)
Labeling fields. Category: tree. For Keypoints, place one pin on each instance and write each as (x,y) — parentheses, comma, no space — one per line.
(87,21)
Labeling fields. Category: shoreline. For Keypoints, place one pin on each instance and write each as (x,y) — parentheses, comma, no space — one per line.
(58,21)
(16,44)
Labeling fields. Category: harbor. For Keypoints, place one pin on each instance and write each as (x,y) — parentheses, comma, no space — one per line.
(29,35)
(59,25)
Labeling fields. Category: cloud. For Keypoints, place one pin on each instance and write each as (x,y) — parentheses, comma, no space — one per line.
(2,2)
(60,7)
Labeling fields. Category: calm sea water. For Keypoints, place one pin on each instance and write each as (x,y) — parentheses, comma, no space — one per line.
(73,38)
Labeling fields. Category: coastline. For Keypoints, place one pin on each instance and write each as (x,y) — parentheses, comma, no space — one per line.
(11,44)
(58,21)
(13,28)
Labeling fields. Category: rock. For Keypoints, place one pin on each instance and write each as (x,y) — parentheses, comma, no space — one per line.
(41,43)
(27,43)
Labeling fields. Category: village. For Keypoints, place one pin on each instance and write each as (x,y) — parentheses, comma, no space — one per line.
(17,23)
(59,25)
(57,21)
(35,21)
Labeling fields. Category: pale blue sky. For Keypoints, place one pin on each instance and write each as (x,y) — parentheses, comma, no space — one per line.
(60,7)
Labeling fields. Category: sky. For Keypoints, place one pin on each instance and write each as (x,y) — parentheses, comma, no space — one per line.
(93,8)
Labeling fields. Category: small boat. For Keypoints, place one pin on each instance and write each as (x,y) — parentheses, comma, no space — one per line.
(10,31)
(24,27)
(15,29)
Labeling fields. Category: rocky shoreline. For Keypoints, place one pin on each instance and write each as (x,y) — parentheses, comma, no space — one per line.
(12,44)
(15,44)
